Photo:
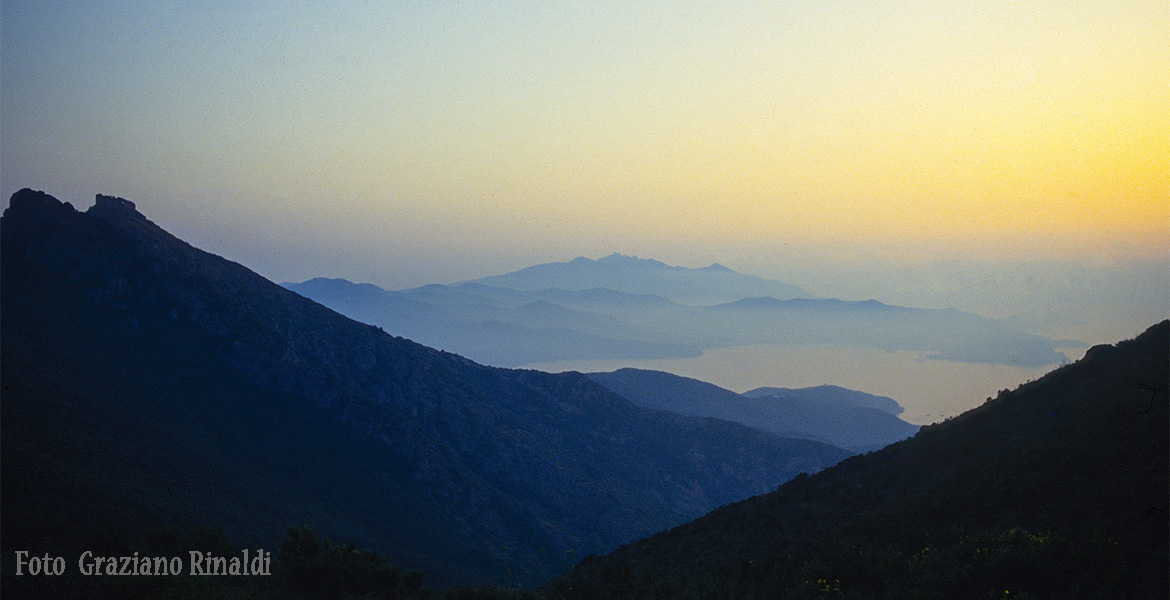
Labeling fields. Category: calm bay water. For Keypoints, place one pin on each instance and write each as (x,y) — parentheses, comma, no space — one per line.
(930,390)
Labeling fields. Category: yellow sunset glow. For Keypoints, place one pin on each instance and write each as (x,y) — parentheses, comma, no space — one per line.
(672,129)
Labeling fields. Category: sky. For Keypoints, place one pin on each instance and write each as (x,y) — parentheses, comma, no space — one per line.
(920,148)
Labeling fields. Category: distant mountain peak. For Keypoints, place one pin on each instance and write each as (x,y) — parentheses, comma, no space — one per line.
(631,274)
(622,260)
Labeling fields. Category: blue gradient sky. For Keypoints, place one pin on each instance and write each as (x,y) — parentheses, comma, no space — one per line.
(408,143)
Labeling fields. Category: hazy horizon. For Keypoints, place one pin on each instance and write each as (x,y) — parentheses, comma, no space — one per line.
(463,137)
(1008,160)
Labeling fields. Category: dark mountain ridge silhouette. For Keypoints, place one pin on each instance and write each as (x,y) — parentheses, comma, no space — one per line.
(1058,489)
(165,385)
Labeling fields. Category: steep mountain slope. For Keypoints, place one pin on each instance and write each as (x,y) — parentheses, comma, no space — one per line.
(165,385)
(830,414)
(1058,489)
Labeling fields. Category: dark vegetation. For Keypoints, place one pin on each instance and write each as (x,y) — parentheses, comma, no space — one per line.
(148,383)
(1058,489)
(1055,490)
(306,567)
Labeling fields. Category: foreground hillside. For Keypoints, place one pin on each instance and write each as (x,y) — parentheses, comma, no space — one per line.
(166,386)
(1058,489)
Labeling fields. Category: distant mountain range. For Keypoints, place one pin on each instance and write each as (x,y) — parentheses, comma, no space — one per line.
(1058,489)
(709,285)
(855,420)
(502,327)
(148,383)
(621,307)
